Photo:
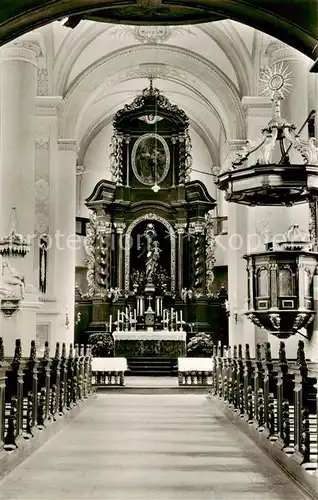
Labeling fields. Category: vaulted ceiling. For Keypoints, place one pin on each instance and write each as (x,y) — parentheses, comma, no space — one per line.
(294,22)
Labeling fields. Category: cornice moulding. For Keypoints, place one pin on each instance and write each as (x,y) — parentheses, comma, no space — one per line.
(257,106)
(49,105)
(256,102)
(16,53)
(67,145)
(33,41)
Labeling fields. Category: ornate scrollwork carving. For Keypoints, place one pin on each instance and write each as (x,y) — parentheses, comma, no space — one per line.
(275,320)
(161,102)
(255,320)
(210,253)
(89,244)
(116,158)
(307,149)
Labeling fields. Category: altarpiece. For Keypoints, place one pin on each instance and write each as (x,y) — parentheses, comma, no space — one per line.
(150,242)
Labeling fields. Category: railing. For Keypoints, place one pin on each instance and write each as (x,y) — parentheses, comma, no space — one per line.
(34,392)
(108,371)
(276,397)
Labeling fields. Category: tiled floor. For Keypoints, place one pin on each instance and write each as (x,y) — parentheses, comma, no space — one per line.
(149,447)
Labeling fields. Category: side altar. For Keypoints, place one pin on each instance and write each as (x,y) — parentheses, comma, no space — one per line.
(150,241)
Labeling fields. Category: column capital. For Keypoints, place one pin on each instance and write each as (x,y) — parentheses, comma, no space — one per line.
(197,227)
(42,139)
(180,227)
(120,226)
(257,106)
(67,145)
(49,105)
(26,48)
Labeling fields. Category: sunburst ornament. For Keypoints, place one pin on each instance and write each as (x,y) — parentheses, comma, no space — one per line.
(275,81)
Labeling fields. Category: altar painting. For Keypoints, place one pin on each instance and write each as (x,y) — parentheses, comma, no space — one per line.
(150,159)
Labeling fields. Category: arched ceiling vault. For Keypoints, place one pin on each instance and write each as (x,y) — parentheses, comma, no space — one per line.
(215,87)
(292,22)
(80,39)
(97,103)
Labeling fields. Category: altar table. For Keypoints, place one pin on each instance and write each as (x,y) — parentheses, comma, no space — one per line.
(167,344)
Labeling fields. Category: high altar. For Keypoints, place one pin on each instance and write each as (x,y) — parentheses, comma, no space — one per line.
(150,241)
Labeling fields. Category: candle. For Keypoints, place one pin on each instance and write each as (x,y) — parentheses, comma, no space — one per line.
(176,318)
(110,323)
(118,316)
(181,321)
(135,315)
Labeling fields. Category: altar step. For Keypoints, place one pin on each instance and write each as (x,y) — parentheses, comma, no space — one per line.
(154,367)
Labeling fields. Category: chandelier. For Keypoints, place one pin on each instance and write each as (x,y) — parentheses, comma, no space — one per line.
(13,243)
(273,179)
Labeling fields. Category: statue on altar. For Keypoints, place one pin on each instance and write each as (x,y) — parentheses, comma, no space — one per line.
(153,252)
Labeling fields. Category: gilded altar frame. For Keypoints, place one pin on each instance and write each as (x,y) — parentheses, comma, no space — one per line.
(150,216)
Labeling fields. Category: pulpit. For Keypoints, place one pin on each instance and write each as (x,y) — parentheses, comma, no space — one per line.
(150,241)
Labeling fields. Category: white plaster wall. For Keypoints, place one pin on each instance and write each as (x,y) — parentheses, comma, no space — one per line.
(96,164)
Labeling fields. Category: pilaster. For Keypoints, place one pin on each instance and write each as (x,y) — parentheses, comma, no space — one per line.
(66,241)
(48,109)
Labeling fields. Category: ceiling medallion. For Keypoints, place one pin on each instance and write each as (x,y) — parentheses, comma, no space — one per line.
(269,182)
(152,34)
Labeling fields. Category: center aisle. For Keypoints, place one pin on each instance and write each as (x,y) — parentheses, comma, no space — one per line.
(149,447)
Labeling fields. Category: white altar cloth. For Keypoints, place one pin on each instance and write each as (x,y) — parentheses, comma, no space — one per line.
(195,364)
(155,335)
(109,364)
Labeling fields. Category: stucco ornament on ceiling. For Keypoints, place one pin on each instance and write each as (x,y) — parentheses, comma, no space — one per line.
(152,34)
(155,35)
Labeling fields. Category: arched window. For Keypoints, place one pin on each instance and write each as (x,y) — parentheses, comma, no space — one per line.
(262,283)
(286,282)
